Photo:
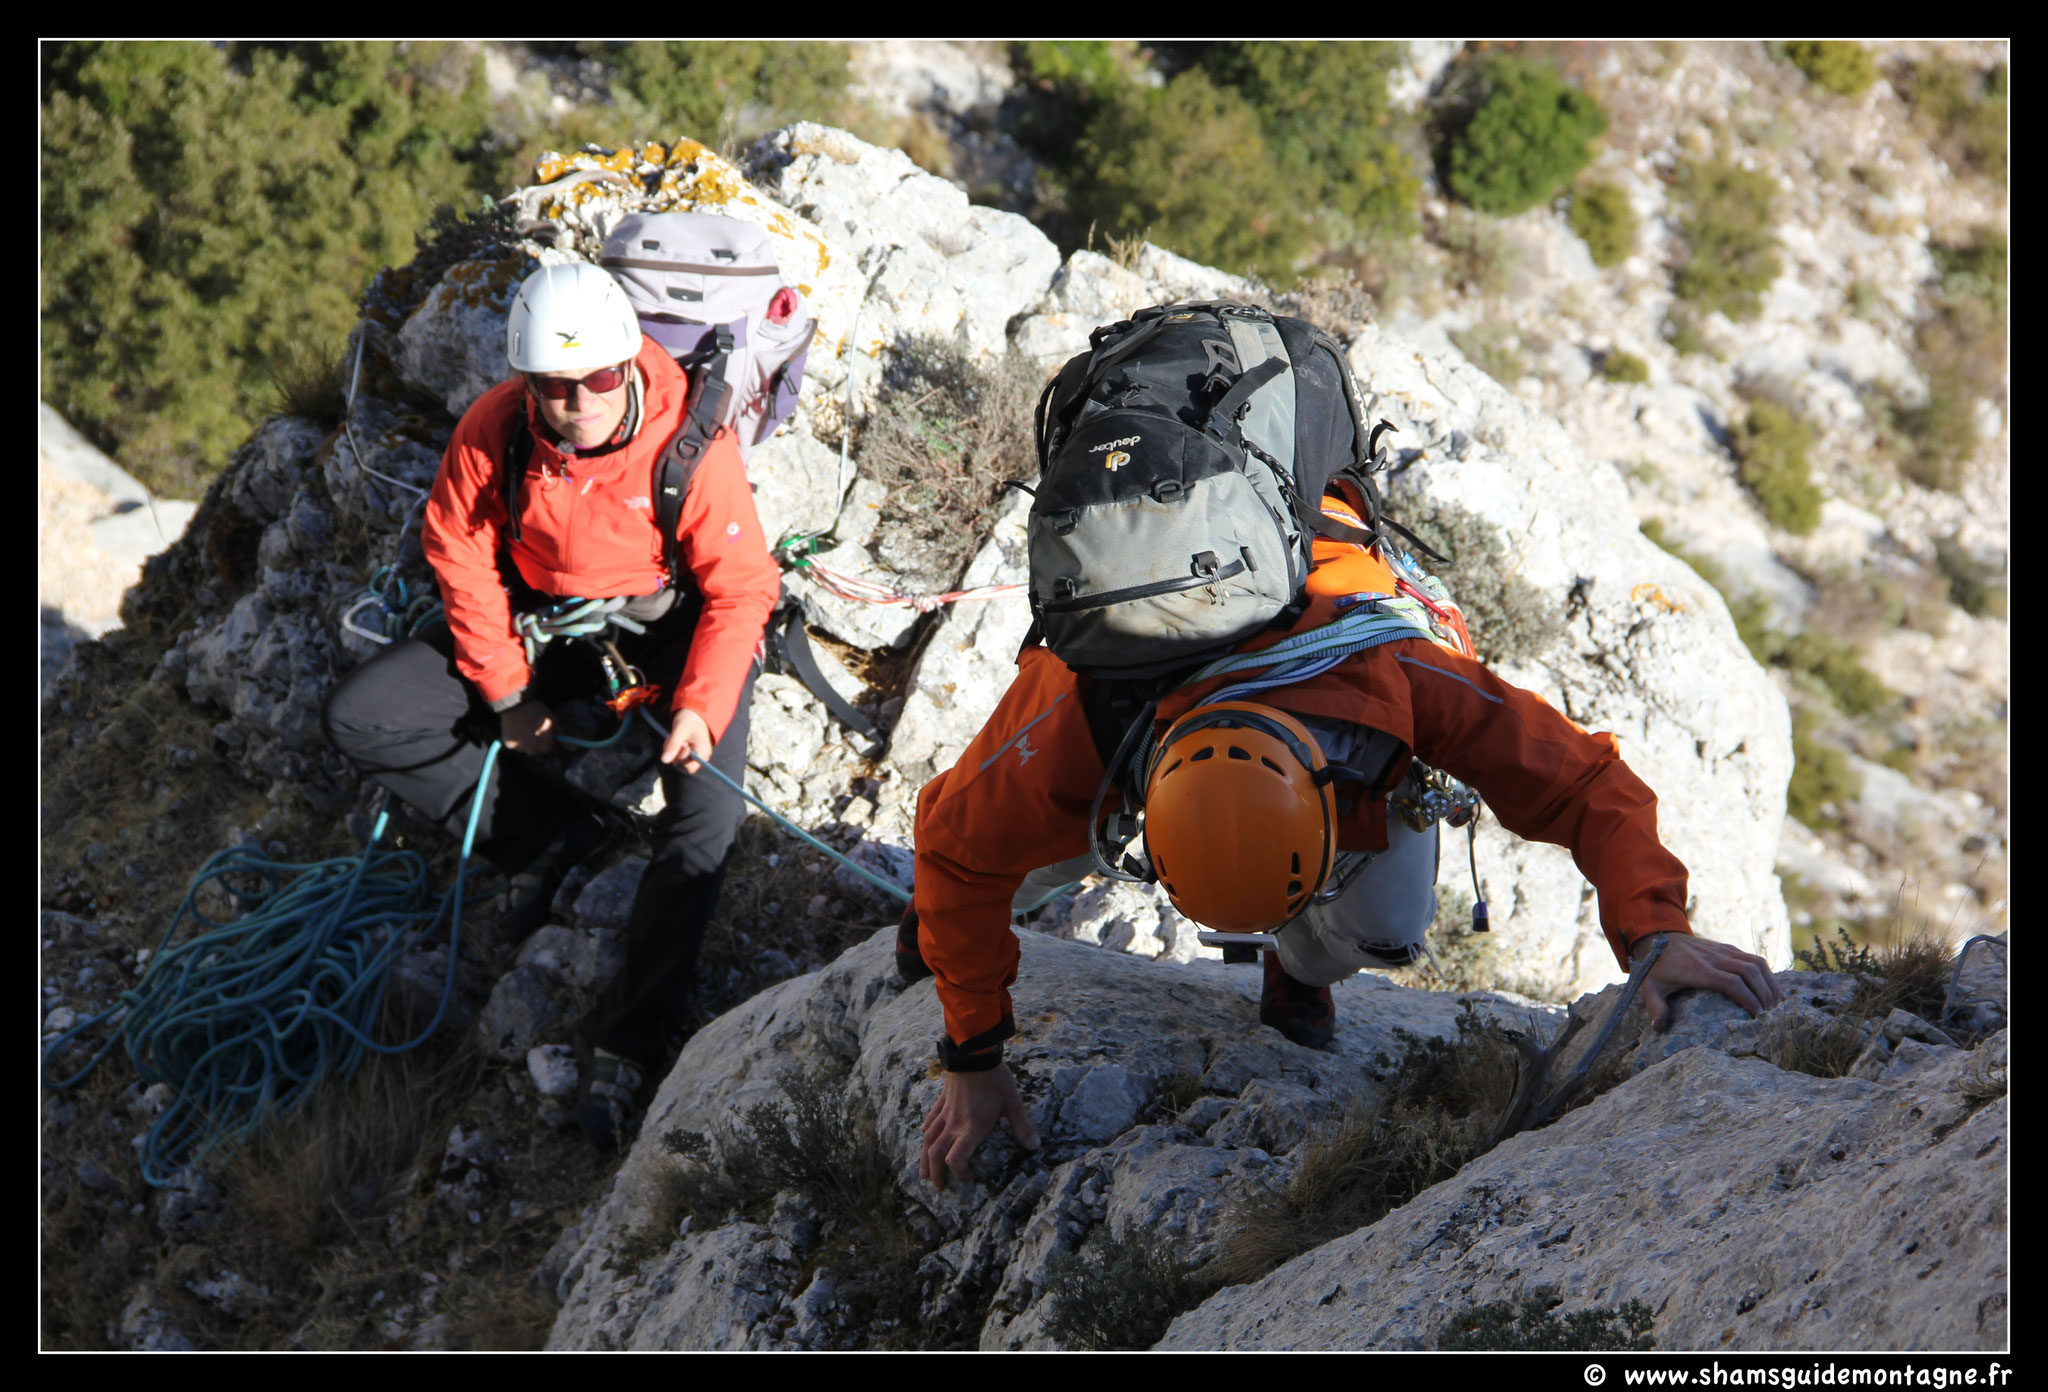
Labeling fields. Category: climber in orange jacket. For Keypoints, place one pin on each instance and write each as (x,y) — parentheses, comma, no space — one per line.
(1021,794)
(598,403)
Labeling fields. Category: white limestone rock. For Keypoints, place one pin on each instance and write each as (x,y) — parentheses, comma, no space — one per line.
(938,265)
(1752,1208)
(1101,1034)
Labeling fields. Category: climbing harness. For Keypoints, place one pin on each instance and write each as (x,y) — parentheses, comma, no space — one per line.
(248,1016)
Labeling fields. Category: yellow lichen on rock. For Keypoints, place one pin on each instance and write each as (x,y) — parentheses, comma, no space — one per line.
(1647,593)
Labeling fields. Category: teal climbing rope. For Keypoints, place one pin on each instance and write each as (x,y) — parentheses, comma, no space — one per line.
(247,1017)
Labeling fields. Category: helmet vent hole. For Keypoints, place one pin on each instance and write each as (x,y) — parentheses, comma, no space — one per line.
(1237,753)
(1172,766)
(1273,766)
(1296,867)
(1201,754)
(1294,886)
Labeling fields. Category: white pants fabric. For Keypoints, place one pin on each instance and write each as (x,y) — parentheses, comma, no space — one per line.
(1378,920)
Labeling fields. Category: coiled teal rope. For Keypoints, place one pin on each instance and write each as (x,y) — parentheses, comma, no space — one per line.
(247,1018)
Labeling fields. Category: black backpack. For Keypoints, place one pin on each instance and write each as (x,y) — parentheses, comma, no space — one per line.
(1182,465)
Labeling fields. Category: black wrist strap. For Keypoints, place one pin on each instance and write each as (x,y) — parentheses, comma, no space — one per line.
(978,1054)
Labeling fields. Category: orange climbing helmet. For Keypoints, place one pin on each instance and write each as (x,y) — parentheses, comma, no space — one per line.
(1240,823)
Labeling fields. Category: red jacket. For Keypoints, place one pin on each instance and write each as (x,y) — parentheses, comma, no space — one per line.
(1019,796)
(587,530)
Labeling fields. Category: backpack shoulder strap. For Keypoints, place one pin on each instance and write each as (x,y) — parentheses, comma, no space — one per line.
(676,466)
(518,451)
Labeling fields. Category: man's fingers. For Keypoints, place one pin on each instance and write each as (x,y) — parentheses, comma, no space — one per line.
(958,1157)
(1731,985)
(1020,1121)
(1653,1002)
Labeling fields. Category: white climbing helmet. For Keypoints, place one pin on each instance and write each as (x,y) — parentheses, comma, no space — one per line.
(567,318)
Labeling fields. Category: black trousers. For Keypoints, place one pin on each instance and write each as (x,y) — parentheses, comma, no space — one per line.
(410,721)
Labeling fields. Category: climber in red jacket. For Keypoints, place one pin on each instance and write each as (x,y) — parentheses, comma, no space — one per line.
(1247,810)
(599,403)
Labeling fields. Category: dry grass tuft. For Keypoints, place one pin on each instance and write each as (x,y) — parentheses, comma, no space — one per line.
(1440,1105)
(321,1174)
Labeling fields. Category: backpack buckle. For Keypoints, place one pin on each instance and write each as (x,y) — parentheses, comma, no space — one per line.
(1168,491)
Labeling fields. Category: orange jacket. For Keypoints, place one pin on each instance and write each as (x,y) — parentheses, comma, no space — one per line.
(587,530)
(1019,796)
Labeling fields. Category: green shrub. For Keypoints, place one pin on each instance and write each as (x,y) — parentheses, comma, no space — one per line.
(1835,664)
(1328,126)
(1498,1327)
(1605,220)
(1529,136)
(1821,776)
(206,209)
(1510,619)
(1771,445)
(1483,257)
(1682,330)
(1844,68)
(1119,1292)
(1976,272)
(726,91)
(1619,366)
(1724,215)
(1188,166)
(1963,111)
(1974,586)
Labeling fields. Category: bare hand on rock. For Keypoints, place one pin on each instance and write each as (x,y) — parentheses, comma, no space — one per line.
(1690,962)
(968,1108)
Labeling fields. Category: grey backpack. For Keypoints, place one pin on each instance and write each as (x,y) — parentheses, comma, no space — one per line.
(1182,464)
(708,289)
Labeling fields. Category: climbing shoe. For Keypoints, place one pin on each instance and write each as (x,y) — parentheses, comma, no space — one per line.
(607,1102)
(1305,1014)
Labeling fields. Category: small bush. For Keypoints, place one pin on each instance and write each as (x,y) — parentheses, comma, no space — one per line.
(1821,777)
(1682,330)
(1605,220)
(1190,162)
(1771,445)
(1903,966)
(727,91)
(1121,1292)
(1843,68)
(1483,258)
(1835,664)
(1441,1102)
(944,435)
(1529,136)
(1725,216)
(1618,366)
(1509,618)
(1976,271)
(1963,111)
(1974,586)
(310,383)
(1491,349)
(1498,1327)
